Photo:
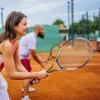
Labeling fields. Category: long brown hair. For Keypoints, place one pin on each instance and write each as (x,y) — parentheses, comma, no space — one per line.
(12,20)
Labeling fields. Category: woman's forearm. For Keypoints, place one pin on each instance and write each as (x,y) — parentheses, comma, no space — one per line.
(21,68)
(22,75)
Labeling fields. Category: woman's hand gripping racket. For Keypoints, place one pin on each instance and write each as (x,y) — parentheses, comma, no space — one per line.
(53,53)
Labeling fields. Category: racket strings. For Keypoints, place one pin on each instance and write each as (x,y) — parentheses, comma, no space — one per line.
(55,51)
(80,45)
(74,54)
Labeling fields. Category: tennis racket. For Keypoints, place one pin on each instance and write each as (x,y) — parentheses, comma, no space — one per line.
(72,55)
(53,52)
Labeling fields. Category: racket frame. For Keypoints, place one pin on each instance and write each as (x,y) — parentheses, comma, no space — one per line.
(50,55)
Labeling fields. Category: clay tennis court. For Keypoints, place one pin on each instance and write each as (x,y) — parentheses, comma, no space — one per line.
(81,84)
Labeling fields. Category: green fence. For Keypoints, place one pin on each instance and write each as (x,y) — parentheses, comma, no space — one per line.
(1,31)
(51,38)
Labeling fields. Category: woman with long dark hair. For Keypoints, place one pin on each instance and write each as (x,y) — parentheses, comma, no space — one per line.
(15,27)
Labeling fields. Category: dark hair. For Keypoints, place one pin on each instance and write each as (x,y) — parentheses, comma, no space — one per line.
(12,20)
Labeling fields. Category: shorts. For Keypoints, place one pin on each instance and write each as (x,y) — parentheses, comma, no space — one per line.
(26,64)
(3,89)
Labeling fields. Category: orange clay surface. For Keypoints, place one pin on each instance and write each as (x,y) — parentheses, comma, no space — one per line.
(81,84)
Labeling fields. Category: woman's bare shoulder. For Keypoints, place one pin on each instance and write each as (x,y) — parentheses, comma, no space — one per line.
(5,46)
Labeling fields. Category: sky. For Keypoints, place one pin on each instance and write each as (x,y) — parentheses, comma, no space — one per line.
(47,11)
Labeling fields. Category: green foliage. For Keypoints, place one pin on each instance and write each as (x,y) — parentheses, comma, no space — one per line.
(58,22)
(97,23)
(84,26)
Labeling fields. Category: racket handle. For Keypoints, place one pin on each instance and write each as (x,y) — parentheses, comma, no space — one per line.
(31,82)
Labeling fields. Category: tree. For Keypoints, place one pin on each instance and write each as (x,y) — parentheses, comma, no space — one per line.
(97,23)
(58,22)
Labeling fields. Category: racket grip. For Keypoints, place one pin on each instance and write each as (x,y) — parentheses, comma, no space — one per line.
(31,82)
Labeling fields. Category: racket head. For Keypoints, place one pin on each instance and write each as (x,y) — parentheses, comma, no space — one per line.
(75,54)
(54,50)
